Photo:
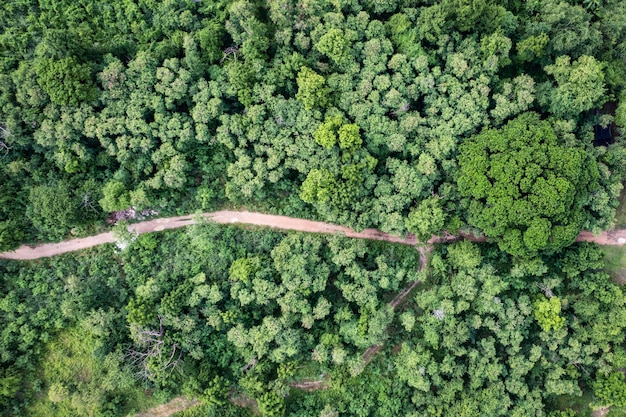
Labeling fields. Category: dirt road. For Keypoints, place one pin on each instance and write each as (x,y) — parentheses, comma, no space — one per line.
(223,217)
(616,237)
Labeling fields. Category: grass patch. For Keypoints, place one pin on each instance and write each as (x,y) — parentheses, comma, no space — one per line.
(615,262)
(616,412)
(579,404)
(308,371)
(79,379)
(204,410)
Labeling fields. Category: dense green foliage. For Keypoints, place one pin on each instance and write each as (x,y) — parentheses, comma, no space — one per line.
(482,345)
(220,300)
(476,346)
(351,112)
(226,410)
(64,295)
(420,117)
(525,188)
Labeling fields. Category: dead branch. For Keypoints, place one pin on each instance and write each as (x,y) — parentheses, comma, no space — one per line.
(250,365)
(88,204)
(580,365)
(4,148)
(150,348)
(231,50)
(546,290)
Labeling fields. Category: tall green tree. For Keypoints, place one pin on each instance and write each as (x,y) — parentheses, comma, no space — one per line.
(66,81)
(579,86)
(524,188)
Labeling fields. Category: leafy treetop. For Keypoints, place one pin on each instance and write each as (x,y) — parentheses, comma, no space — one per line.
(524,188)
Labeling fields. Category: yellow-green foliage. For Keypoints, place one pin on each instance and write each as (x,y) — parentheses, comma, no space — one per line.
(243,269)
(610,390)
(547,313)
(312,91)
(349,137)
(326,133)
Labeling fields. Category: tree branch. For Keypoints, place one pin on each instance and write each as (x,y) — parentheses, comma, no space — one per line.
(228,51)
(148,353)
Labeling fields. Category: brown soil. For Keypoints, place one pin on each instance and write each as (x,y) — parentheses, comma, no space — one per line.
(242,400)
(28,252)
(311,385)
(174,406)
(611,237)
(223,217)
(370,352)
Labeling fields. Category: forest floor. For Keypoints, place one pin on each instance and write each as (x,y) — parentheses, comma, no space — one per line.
(615,262)
(28,252)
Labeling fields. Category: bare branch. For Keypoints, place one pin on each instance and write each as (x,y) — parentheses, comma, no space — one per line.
(546,290)
(88,204)
(228,51)
(251,364)
(580,365)
(4,148)
(151,355)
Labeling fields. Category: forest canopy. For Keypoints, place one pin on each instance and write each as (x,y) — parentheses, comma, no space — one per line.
(349,112)
(498,119)
(220,313)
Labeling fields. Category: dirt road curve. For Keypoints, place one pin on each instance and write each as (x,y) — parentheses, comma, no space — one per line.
(617,237)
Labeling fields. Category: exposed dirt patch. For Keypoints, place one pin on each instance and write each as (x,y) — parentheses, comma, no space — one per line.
(129,214)
(25,252)
(244,401)
(619,277)
(370,352)
(600,412)
(174,406)
(311,385)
